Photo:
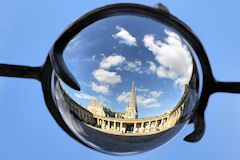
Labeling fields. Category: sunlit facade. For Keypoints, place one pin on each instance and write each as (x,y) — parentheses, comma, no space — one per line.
(103,119)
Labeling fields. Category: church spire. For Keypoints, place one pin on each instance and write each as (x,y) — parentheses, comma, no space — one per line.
(133,100)
(133,88)
(131,110)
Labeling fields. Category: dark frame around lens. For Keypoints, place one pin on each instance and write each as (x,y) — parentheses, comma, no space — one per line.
(158,14)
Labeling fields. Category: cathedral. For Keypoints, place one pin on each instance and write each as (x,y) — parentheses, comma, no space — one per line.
(131,111)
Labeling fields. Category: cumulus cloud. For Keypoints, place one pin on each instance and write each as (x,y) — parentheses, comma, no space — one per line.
(112,60)
(148,100)
(107,77)
(135,66)
(84,96)
(88,97)
(152,67)
(173,56)
(124,97)
(104,89)
(125,37)
(156,94)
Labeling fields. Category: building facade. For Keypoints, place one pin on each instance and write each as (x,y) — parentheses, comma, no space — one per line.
(105,120)
(131,111)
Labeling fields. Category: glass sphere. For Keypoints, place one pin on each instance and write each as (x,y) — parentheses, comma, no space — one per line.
(139,84)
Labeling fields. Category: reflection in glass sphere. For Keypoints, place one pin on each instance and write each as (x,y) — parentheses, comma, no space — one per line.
(139,84)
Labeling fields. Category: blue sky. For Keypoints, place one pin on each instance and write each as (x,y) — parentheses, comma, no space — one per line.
(110,54)
(27,32)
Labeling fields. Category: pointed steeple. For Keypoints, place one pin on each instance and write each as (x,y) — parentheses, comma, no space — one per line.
(133,86)
(133,89)
(131,109)
(133,100)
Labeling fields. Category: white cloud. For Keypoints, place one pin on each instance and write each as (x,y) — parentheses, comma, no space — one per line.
(125,37)
(124,97)
(119,68)
(113,60)
(148,100)
(156,94)
(75,44)
(88,97)
(105,76)
(121,64)
(138,67)
(103,100)
(135,66)
(142,89)
(84,96)
(166,73)
(152,67)
(143,101)
(153,105)
(104,89)
(175,61)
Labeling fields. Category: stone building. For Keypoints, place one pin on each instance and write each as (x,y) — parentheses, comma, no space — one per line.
(105,120)
(96,108)
(99,109)
(131,112)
